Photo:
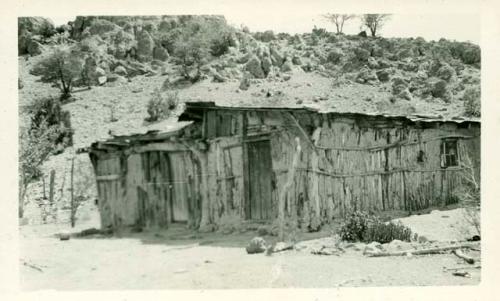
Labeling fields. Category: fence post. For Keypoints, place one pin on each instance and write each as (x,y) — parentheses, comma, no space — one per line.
(51,186)
(73,209)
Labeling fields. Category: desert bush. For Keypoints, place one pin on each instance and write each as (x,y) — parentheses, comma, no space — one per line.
(472,102)
(284,36)
(319,32)
(468,53)
(439,89)
(471,55)
(334,56)
(49,131)
(386,232)
(360,226)
(445,72)
(221,45)
(361,54)
(160,107)
(469,193)
(354,226)
(266,36)
(398,85)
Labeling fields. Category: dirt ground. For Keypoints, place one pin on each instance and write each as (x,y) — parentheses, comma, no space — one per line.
(181,259)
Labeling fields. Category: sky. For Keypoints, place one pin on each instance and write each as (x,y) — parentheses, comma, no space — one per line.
(460,27)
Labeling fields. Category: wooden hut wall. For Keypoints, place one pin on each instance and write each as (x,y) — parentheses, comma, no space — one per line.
(369,163)
(346,164)
(149,186)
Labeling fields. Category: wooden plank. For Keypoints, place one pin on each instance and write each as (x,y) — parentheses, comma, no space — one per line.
(179,182)
(108,177)
(163,146)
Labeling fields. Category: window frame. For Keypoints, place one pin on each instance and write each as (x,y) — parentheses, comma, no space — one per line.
(449,153)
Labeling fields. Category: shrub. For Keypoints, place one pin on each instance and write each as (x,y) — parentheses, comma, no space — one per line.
(472,102)
(266,36)
(439,89)
(360,226)
(319,32)
(469,193)
(221,45)
(49,131)
(354,227)
(361,54)
(334,56)
(160,107)
(445,72)
(472,56)
(386,232)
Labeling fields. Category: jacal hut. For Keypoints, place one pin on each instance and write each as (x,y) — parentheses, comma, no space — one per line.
(259,164)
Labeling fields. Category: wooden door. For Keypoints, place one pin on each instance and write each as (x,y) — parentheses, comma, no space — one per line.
(259,173)
(179,186)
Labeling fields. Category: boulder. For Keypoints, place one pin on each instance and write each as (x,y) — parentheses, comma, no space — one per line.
(145,46)
(373,248)
(383,75)
(266,65)
(254,66)
(160,53)
(256,245)
(99,72)
(287,66)
(101,80)
(115,80)
(244,58)
(366,76)
(217,77)
(64,235)
(373,63)
(34,47)
(120,70)
(296,60)
(277,56)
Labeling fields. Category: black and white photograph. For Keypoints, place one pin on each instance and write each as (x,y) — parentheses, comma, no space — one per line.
(319,149)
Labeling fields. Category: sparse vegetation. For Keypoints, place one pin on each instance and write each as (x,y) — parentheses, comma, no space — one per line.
(62,66)
(49,132)
(469,194)
(360,226)
(160,107)
(472,102)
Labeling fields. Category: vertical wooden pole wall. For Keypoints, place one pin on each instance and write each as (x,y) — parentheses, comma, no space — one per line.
(246,176)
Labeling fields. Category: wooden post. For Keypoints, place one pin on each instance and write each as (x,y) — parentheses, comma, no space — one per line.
(73,205)
(43,183)
(51,186)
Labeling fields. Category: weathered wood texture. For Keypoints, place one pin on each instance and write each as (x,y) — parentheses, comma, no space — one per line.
(150,189)
(346,164)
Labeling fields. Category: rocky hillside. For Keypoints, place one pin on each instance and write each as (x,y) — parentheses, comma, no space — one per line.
(123,60)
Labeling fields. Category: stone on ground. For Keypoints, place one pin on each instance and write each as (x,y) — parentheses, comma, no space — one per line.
(256,245)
